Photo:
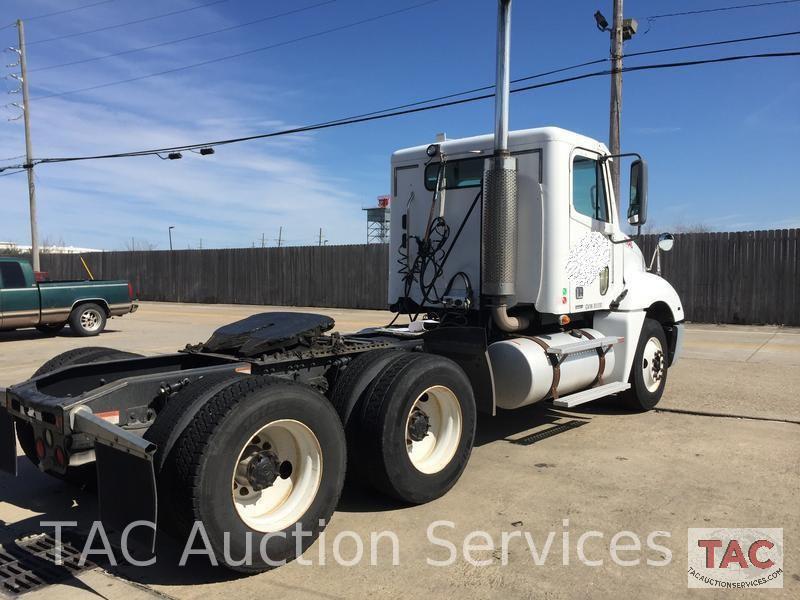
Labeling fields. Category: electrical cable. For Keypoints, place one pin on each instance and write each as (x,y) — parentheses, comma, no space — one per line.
(653,18)
(242,53)
(720,9)
(118,25)
(183,39)
(374,117)
(465,92)
(60,12)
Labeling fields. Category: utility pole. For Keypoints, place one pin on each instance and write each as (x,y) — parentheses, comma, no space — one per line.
(280,235)
(26,114)
(320,236)
(171,227)
(616,96)
(263,241)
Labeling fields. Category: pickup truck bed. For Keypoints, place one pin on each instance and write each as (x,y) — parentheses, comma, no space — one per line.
(50,305)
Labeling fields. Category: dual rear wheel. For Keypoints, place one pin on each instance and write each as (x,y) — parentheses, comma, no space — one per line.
(411,427)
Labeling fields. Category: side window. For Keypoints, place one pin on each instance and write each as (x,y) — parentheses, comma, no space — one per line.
(11,275)
(589,188)
(463,173)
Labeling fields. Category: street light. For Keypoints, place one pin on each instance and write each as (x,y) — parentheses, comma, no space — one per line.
(171,227)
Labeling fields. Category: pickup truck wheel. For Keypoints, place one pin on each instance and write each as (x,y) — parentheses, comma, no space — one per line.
(263,459)
(84,474)
(87,319)
(51,328)
(649,371)
(418,427)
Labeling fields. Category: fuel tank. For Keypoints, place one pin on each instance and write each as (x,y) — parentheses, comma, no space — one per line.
(525,373)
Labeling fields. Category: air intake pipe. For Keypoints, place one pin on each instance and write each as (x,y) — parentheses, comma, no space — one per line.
(500,195)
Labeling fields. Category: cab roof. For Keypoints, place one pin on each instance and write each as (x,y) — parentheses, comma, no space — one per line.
(485,143)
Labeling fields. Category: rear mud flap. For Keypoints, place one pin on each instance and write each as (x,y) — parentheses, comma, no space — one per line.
(126,487)
(467,346)
(8,442)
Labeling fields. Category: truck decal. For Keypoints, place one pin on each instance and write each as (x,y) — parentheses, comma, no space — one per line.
(590,255)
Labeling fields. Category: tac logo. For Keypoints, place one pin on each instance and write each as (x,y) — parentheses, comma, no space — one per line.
(735,558)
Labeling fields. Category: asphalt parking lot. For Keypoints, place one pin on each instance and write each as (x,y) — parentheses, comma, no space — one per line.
(723,450)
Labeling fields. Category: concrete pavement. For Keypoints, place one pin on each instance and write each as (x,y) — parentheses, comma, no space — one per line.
(655,472)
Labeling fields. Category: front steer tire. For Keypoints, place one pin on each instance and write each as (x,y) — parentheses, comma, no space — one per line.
(648,376)
(205,463)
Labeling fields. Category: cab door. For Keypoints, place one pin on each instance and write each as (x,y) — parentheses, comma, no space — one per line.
(590,263)
(19,301)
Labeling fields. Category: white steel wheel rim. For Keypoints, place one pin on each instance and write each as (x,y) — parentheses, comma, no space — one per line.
(90,319)
(434,452)
(653,366)
(285,501)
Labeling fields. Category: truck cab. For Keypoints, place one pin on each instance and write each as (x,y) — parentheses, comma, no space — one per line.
(575,268)
(573,256)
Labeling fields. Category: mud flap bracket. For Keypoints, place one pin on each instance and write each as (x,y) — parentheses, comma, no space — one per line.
(126,481)
(8,441)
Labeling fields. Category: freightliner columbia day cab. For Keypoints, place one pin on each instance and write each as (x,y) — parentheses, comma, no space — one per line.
(513,283)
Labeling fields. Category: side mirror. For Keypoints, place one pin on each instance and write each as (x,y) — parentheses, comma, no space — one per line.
(665,242)
(637,207)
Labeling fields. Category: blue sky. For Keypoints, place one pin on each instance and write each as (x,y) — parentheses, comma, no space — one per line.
(721,140)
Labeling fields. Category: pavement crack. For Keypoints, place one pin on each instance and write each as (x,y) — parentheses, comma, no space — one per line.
(704,413)
(768,340)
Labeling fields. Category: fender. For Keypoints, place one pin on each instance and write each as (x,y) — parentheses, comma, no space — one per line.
(646,289)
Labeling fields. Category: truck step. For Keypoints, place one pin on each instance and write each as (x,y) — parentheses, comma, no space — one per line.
(590,394)
(584,345)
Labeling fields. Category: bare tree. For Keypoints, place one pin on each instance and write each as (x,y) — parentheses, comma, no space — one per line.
(140,245)
(49,244)
(693,228)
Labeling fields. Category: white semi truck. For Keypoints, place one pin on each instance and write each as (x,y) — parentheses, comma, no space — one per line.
(519,284)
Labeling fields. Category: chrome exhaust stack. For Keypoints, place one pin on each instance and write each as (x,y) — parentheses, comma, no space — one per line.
(500,195)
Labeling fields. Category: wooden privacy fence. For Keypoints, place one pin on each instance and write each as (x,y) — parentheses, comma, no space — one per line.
(748,277)
(330,276)
(730,277)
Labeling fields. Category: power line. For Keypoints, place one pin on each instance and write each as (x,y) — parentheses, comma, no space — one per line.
(374,117)
(561,70)
(61,12)
(184,39)
(10,172)
(720,9)
(240,54)
(118,25)
(716,43)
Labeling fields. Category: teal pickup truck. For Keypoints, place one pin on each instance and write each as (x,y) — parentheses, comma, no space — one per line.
(50,305)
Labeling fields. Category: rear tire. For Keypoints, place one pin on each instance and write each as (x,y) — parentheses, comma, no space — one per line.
(418,427)
(259,430)
(348,398)
(88,319)
(649,371)
(83,475)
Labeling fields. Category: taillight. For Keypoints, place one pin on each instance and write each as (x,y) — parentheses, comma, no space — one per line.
(40,448)
(130,291)
(61,457)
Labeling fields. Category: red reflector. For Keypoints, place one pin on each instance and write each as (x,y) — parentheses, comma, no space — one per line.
(61,458)
(40,448)
(130,291)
